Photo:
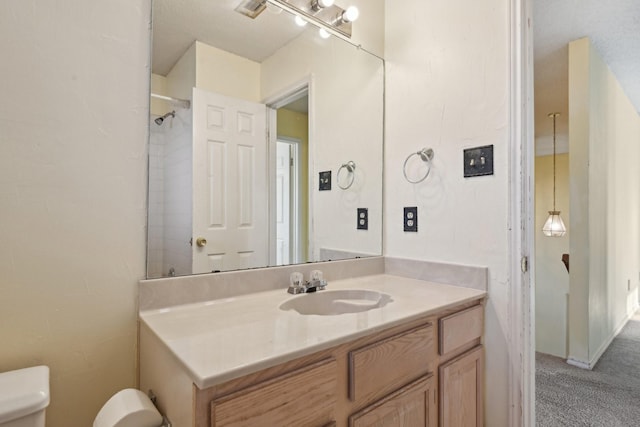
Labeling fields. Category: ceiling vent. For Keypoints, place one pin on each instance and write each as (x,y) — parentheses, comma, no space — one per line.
(251,8)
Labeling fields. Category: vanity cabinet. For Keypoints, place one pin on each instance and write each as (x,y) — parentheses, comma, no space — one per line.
(304,397)
(461,368)
(462,384)
(412,405)
(423,372)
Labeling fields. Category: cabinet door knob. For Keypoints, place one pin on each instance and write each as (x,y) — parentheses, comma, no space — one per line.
(201,242)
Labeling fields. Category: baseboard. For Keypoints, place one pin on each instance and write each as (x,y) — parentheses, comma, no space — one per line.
(579,363)
(598,354)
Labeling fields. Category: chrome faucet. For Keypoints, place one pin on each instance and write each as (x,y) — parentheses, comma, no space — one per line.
(298,285)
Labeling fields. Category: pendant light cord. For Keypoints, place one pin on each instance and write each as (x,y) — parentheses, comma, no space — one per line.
(554,162)
(553,116)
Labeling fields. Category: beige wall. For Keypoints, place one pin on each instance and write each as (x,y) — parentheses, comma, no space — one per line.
(552,279)
(159,87)
(182,77)
(227,74)
(74,117)
(343,127)
(604,144)
(447,87)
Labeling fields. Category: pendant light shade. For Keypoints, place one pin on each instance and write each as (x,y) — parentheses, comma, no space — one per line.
(554,226)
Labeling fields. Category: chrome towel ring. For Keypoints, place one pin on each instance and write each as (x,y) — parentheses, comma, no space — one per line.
(426,154)
(350,167)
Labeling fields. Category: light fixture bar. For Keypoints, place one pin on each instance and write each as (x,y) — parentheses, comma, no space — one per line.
(329,18)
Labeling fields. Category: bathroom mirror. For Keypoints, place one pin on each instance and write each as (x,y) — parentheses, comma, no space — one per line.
(277,158)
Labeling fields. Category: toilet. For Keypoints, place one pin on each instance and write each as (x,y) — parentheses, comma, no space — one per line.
(24,397)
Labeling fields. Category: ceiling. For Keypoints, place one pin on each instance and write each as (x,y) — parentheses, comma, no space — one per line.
(178,23)
(613,27)
(614,30)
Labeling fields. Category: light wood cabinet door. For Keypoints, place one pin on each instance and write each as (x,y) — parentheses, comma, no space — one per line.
(412,406)
(461,329)
(380,368)
(305,397)
(461,390)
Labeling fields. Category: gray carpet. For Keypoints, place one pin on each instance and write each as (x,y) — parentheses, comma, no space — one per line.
(607,396)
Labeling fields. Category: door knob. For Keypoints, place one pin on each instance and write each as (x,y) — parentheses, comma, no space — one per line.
(201,242)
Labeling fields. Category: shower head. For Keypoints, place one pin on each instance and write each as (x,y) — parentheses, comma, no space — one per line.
(159,120)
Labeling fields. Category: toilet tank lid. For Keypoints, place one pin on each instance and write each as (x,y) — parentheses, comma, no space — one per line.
(23,392)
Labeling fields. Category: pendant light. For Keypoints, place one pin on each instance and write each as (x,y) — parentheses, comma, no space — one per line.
(554,227)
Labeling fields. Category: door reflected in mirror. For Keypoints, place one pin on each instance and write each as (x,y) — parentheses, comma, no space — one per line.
(234,177)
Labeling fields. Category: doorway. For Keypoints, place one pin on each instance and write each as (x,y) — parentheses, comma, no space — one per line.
(287,203)
(289,148)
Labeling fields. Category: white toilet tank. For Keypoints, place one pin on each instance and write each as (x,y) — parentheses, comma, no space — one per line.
(24,396)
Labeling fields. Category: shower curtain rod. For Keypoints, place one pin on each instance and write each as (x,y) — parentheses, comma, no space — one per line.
(180,102)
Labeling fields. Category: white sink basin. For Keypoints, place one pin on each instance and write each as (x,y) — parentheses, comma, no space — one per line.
(334,302)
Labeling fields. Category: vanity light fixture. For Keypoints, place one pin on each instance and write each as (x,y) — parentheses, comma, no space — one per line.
(554,227)
(299,21)
(316,5)
(351,14)
(324,14)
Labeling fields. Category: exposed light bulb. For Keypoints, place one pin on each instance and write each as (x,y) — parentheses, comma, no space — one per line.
(299,21)
(351,14)
(324,33)
(317,5)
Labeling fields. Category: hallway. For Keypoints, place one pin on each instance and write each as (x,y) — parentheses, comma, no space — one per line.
(608,396)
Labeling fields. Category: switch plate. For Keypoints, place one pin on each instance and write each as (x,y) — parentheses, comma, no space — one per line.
(325,181)
(478,161)
(410,219)
(363,219)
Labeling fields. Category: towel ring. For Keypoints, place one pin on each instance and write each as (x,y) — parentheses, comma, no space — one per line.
(426,154)
(350,166)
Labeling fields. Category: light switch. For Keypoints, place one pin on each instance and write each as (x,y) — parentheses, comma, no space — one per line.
(325,181)
(478,161)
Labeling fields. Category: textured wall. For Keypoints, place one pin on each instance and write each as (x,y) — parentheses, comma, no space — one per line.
(447,88)
(552,279)
(604,142)
(73,134)
(342,127)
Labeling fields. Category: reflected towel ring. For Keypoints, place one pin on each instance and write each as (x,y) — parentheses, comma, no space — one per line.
(426,154)
(350,166)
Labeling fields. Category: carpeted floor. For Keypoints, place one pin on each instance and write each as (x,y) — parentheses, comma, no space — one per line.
(607,396)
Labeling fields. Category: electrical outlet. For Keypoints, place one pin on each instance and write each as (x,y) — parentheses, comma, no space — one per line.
(363,219)
(478,161)
(325,181)
(410,219)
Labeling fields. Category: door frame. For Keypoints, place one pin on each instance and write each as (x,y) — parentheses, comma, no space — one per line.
(521,308)
(294,199)
(273,102)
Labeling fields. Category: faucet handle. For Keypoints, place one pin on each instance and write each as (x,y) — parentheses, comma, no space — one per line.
(317,280)
(315,275)
(296,283)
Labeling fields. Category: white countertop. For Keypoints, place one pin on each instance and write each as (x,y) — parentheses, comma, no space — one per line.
(219,340)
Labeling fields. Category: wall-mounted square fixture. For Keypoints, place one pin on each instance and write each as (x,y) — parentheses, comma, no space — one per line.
(410,219)
(363,219)
(325,181)
(478,161)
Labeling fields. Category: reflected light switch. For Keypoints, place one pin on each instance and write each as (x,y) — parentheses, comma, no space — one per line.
(478,161)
